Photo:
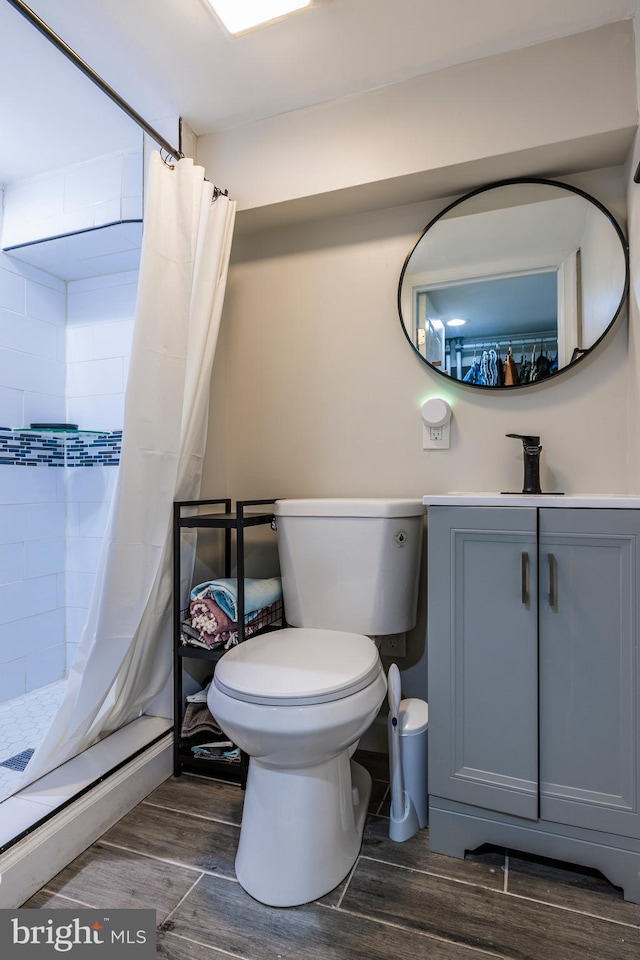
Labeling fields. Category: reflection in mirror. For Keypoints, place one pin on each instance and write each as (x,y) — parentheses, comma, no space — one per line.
(513,283)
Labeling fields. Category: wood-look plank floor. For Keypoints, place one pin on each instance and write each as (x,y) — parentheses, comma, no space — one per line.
(175,852)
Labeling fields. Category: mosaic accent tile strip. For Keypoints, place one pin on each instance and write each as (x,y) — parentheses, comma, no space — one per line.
(89,449)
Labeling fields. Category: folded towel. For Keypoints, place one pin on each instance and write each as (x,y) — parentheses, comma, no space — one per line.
(198,719)
(208,618)
(258,593)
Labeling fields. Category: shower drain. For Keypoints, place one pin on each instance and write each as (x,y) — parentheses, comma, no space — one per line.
(19,762)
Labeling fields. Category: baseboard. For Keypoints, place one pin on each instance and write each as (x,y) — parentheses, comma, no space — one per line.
(30,864)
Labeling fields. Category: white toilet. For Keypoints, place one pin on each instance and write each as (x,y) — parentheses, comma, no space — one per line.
(298,700)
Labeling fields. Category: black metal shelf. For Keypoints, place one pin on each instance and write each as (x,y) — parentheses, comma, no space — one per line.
(224,520)
(229,521)
(198,653)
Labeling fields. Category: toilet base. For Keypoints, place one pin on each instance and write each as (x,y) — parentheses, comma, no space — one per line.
(301,829)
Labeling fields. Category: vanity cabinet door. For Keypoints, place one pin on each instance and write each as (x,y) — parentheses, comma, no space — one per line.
(483,657)
(589,713)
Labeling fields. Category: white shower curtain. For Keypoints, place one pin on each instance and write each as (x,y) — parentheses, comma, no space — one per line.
(124,656)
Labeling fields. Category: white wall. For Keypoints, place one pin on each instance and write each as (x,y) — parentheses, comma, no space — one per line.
(323,391)
(559,106)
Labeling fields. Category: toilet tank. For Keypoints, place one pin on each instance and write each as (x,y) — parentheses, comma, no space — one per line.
(350,564)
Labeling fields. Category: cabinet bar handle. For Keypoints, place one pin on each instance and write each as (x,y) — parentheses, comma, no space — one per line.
(553,582)
(525,578)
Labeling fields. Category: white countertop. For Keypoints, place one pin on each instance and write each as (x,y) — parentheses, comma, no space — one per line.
(596,500)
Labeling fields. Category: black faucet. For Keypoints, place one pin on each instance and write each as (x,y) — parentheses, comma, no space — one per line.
(532,448)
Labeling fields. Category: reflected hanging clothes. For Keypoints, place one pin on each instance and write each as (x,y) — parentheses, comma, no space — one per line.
(473,373)
(489,368)
(511,375)
(543,364)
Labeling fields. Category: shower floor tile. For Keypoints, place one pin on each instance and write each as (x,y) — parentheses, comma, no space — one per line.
(23,723)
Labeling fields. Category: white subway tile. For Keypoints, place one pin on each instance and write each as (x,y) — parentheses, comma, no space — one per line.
(108,211)
(97,413)
(44,557)
(45,666)
(94,377)
(25,371)
(131,208)
(61,485)
(43,303)
(126,259)
(80,343)
(92,519)
(132,175)
(73,515)
(34,198)
(76,617)
(11,561)
(112,339)
(79,588)
(11,405)
(61,344)
(25,598)
(69,653)
(13,676)
(33,485)
(12,291)
(75,220)
(18,332)
(10,262)
(61,589)
(99,283)
(32,521)
(92,183)
(112,303)
(83,554)
(43,408)
(31,634)
(88,484)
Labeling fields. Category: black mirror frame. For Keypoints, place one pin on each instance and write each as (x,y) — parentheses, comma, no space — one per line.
(583,353)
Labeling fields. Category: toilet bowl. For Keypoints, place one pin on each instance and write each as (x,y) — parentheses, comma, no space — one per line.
(297,700)
(297,705)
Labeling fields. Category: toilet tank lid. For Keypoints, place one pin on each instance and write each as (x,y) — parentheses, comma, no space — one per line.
(350,507)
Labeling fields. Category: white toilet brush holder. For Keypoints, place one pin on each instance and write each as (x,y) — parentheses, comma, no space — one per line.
(407,727)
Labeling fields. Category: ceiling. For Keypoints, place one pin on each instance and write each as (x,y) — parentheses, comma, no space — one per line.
(171,58)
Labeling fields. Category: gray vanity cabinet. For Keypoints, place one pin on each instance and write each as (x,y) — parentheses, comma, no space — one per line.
(533,680)
(483,657)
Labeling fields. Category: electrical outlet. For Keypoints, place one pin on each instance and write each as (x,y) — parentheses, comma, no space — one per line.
(394,645)
(436,438)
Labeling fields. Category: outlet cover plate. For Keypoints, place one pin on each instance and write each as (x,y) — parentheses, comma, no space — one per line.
(436,438)
(393,645)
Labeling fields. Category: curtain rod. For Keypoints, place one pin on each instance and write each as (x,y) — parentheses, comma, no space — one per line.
(65,49)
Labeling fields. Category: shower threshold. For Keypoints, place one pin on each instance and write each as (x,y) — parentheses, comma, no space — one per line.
(49,822)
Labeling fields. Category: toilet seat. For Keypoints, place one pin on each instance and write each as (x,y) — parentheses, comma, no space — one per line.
(297,667)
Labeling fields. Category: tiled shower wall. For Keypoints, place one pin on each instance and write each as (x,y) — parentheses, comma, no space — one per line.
(100,315)
(52,518)
(32,508)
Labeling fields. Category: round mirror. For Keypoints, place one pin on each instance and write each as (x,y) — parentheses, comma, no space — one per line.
(513,283)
